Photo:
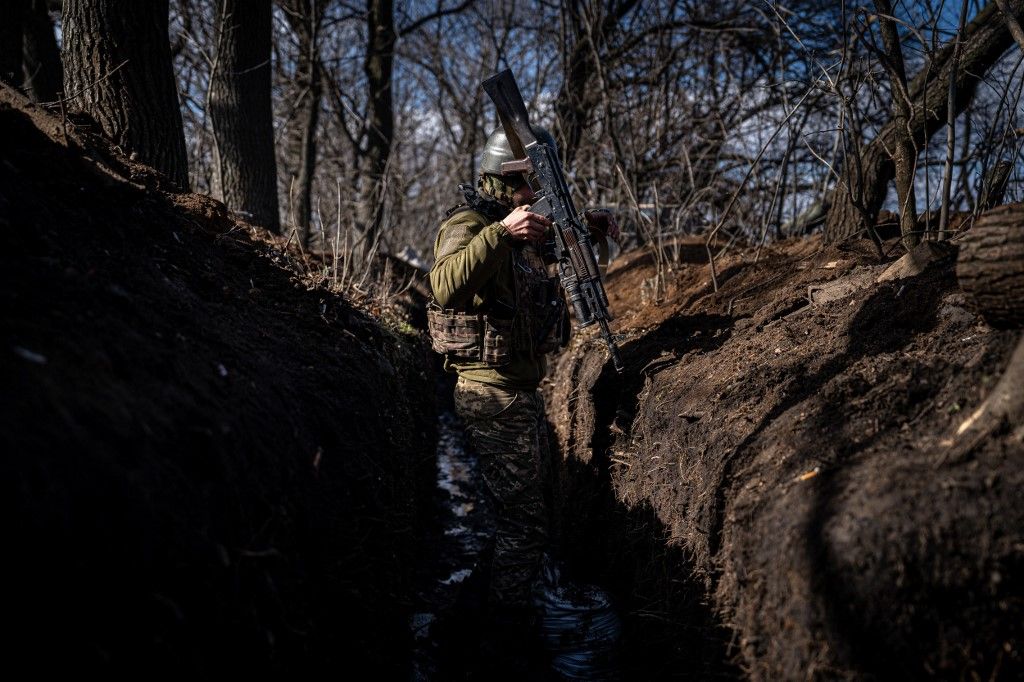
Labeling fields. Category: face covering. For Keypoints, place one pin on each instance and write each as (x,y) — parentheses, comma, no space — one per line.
(501,188)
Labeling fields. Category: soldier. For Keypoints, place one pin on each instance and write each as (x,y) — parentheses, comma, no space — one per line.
(497,312)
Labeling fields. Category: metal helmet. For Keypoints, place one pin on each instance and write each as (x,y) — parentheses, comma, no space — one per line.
(497,150)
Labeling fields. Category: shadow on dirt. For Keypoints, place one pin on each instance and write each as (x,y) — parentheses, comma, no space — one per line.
(907,574)
(665,605)
(208,466)
(884,323)
(669,629)
(646,356)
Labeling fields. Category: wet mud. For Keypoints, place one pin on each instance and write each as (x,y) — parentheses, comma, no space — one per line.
(450,580)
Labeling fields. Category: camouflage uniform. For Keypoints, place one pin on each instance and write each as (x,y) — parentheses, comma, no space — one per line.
(479,268)
(508,430)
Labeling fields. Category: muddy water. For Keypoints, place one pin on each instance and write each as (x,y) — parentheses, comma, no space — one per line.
(578,626)
(465,518)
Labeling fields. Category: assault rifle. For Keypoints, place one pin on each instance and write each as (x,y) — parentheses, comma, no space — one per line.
(577,266)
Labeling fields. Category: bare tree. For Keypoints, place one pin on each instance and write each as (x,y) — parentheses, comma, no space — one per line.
(718,115)
(117,68)
(305,18)
(364,113)
(904,155)
(947,175)
(586,31)
(866,174)
(240,112)
(380,121)
(193,42)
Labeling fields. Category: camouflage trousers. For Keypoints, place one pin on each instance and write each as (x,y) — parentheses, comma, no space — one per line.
(508,430)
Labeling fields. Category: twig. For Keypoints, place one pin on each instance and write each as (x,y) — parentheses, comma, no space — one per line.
(743,184)
(337,235)
(93,84)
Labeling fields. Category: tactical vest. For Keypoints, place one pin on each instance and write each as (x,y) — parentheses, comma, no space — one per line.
(537,324)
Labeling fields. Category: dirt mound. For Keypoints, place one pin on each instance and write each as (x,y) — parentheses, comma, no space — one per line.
(208,466)
(782,440)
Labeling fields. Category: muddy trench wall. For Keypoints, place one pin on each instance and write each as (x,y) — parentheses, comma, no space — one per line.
(209,467)
(765,488)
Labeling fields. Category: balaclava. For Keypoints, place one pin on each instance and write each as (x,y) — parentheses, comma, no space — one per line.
(495,187)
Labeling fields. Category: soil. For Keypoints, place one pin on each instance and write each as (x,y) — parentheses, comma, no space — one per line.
(214,465)
(210,465)
(768,485)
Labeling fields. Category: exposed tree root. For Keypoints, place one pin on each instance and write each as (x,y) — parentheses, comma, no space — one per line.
(1003,408)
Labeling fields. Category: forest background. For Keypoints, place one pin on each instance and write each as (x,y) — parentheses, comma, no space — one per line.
(347,127)
(145,320)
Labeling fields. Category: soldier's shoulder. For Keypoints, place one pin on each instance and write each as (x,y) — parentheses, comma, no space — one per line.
(464,216)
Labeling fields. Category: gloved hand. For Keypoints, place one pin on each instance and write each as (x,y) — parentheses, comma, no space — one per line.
(602,223)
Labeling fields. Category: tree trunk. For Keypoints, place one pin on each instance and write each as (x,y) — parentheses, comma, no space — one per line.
(12,19)
(1011,22)
(575,100)
(378,68)
(947,172)
(1004,407)
(859,195)
(117,62)
(990,269)
(990,266)
(905,153)
(44,78)
(309,119)
(304,16)
(993,185)
(240,112)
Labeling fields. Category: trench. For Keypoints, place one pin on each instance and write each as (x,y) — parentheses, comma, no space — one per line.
(613,568)
(669,628)
(448,585)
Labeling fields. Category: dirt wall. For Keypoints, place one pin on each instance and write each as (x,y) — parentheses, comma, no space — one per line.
(209,467)
(786,441)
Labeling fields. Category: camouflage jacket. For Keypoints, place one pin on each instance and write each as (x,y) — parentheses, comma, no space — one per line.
(480,268)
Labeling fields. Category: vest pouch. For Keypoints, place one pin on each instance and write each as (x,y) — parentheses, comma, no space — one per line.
(455,333)
(550,317)
(556,334)
(497,341)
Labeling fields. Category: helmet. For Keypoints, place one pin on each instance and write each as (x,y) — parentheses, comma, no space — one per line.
(497,150)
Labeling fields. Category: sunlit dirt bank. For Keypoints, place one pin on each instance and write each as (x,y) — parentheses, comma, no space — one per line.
(208,466)
(769,489)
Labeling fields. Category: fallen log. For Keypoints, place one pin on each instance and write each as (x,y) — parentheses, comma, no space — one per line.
(990,267)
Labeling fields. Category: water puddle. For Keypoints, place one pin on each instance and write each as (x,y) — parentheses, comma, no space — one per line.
(464,521)
(578,625)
